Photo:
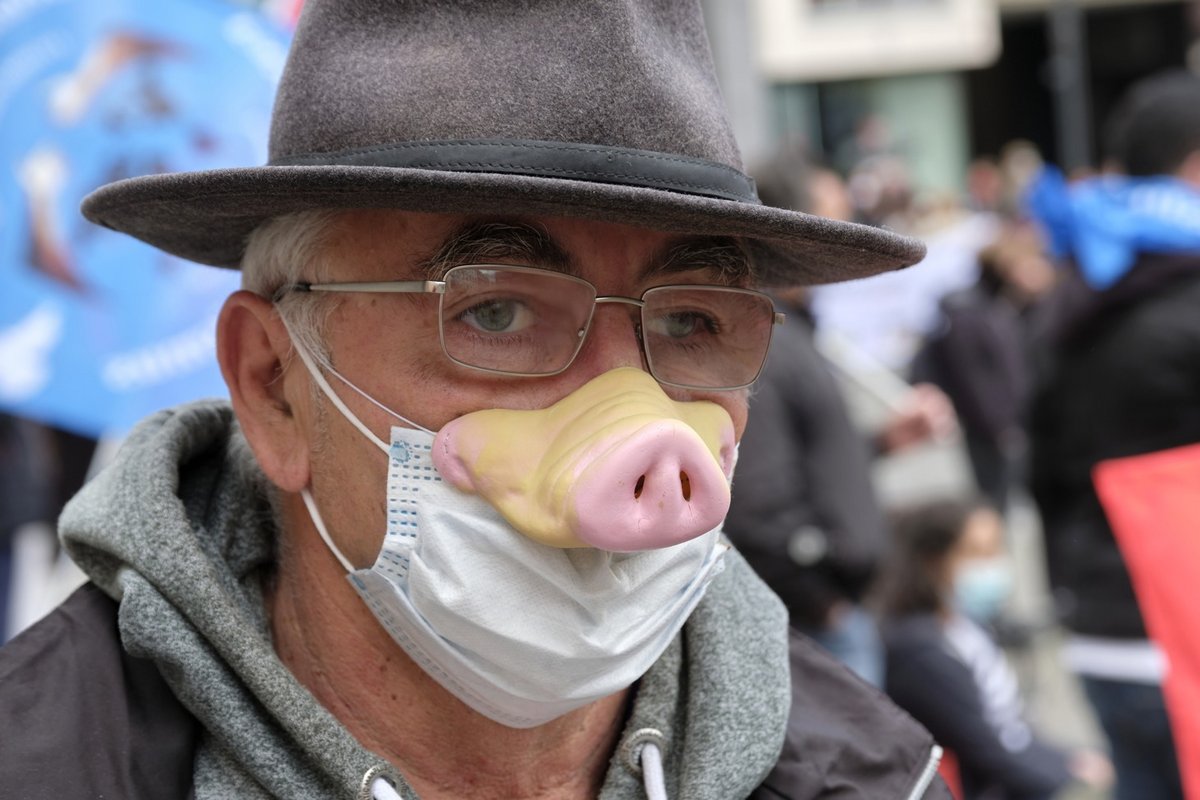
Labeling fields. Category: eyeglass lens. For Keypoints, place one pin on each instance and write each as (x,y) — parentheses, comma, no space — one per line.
(533,322)
(708,337)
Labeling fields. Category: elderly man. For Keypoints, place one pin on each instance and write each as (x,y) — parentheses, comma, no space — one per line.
(457,534)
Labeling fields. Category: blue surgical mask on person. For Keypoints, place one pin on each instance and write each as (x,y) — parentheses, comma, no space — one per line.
(982,586)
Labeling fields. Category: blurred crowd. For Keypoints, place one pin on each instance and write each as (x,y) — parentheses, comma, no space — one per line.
(1054,327)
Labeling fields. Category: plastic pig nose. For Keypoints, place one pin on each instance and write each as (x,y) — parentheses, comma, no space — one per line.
(659,487)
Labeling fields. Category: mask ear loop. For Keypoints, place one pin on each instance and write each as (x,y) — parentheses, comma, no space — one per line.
(309,503)
(376,403)
(328,391)
(319,524)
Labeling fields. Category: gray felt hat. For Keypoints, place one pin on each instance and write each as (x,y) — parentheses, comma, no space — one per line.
(605,110)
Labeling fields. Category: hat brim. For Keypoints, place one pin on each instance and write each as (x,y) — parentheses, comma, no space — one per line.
(206,216)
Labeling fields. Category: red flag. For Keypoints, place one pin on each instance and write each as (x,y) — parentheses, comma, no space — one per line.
(1153,504)
(948,769)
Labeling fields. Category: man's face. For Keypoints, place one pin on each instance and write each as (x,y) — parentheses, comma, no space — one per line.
(388,345)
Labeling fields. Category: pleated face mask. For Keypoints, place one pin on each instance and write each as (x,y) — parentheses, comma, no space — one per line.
(537,561)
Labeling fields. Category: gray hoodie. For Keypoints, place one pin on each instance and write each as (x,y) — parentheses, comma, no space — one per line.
(178,531)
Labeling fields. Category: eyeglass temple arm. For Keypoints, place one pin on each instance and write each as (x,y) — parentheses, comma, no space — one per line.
(394,287)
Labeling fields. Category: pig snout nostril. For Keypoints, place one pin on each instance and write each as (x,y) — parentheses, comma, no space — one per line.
(685,486)
(653,490)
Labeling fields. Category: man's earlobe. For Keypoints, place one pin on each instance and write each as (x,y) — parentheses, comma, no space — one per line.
(253,348)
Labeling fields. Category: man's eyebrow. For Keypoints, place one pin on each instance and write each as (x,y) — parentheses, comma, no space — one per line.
(489,242)
(723,256)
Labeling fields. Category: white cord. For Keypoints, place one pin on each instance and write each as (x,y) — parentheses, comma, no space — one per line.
(652,772)
(652,777)
(319,524)
(319,378)
(382,790)
(376,403)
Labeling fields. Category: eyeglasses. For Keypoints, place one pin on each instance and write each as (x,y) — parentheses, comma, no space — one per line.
(526,321)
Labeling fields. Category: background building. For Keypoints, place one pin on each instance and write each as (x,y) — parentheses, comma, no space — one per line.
(940,82)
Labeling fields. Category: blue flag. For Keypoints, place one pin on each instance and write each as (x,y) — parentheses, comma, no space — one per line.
(97,329)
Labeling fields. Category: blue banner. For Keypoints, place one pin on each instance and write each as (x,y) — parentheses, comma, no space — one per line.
(97,329)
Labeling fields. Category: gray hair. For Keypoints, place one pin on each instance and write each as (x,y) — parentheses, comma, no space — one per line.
(286,250)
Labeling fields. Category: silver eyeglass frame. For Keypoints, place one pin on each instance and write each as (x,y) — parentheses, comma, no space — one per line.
(438,287)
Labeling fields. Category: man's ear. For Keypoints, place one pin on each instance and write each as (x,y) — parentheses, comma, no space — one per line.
(252,346)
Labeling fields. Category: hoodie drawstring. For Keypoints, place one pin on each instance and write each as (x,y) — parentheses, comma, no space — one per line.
(382,790)
(652,778)
(652,772)
(642,754)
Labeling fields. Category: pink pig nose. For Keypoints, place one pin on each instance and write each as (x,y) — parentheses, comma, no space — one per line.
(659,487)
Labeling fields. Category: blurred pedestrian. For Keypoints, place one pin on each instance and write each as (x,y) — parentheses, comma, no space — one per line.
(1118,377)
(947,579)
(41,467)
(979,356)
(804,512)
(23,491)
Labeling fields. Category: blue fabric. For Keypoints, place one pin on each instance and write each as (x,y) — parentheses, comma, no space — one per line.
(854,639)
(1104,223)
(97,329)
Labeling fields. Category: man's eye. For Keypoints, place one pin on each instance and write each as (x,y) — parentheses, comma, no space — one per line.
(499,316)
(682,324)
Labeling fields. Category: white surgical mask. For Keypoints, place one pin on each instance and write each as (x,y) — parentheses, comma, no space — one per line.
(520,631)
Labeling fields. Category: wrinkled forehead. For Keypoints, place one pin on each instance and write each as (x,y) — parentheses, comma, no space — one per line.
(386,244)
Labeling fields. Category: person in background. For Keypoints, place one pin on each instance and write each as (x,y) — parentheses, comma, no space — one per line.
(22,497)
(41,468)
(979,356)
(985,185)
(948,577)
(804,513)
(1118,348)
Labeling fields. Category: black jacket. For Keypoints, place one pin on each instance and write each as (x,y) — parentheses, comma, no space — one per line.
(978,358)
(1119,376)
(84,719)
(929,681)
(803,512)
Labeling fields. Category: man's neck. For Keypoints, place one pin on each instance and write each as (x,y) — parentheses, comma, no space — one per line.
(444,749)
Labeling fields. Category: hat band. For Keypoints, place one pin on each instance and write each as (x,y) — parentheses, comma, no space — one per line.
(580,162)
